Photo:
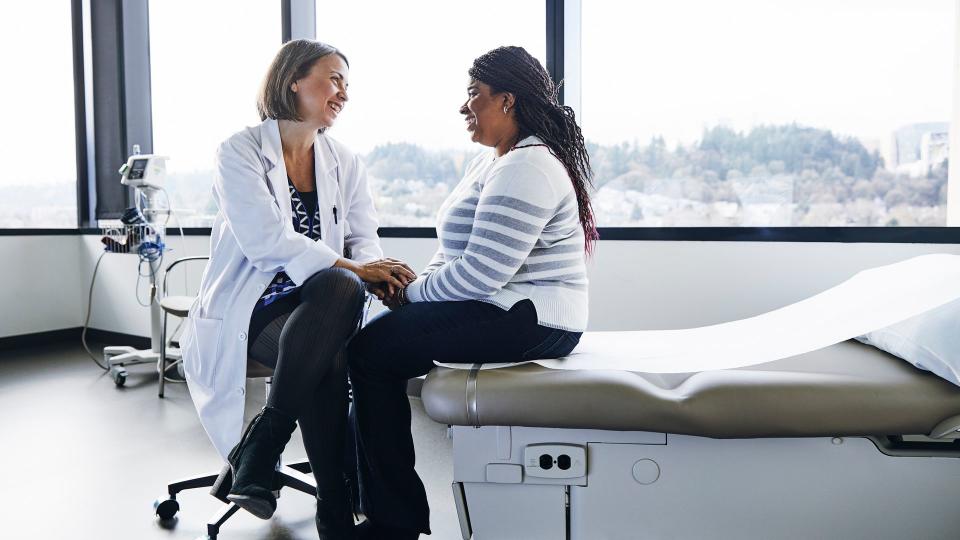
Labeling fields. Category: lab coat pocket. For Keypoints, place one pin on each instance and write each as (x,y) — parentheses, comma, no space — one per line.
(202,350)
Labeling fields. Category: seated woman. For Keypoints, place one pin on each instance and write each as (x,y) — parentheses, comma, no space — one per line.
(508,283)
(294,242)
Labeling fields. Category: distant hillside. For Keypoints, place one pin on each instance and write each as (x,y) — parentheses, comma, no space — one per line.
(722,151)
(798,148)
(411,162)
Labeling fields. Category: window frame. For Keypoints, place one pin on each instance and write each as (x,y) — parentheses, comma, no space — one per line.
(85,206)
(563,19)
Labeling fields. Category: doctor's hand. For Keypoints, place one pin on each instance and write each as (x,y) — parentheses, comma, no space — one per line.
(390,299)
(390,272)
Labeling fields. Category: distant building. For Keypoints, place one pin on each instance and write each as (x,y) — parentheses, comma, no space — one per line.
(934,148)
(916,148)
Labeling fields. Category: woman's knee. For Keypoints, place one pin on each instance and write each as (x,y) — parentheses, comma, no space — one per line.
(363,354)
(356,352)
(335,285)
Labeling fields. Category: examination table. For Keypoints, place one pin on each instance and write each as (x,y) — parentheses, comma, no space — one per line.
(845,442)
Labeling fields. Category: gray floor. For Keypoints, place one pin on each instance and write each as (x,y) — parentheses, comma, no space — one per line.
(80,458)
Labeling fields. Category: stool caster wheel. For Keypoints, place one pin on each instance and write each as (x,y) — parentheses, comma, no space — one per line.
(119,376)
(166,508)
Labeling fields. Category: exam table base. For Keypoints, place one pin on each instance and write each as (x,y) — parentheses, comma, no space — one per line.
(639,485)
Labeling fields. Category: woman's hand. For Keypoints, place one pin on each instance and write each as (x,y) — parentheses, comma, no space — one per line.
(391,272)
(390,299)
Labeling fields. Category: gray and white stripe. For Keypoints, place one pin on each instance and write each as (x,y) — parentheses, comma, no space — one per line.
(509,231)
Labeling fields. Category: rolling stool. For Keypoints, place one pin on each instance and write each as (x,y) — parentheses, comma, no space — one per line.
(296,476)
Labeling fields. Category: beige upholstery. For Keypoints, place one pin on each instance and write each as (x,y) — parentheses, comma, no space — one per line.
(845,389)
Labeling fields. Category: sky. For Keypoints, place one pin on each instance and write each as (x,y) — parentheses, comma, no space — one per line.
(409,63)
(37,140)
(858,67)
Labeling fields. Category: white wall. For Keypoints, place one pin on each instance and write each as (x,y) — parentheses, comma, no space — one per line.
(659,285)
(40,279)
(115,304)
(115,294)
(634,285)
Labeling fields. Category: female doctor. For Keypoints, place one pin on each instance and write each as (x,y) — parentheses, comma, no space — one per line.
(293,244)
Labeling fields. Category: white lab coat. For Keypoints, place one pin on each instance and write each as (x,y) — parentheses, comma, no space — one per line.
(253,239)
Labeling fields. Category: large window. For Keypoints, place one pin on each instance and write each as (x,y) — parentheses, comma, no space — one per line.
(408,78)
(207,60)
(38,181)
(757,113)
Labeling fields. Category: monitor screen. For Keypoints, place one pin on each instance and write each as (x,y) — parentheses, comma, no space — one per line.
(138,169)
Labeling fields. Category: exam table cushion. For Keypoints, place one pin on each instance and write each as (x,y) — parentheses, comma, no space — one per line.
(845,389)
(929,341)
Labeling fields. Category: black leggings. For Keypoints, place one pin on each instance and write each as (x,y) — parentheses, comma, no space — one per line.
(302,336)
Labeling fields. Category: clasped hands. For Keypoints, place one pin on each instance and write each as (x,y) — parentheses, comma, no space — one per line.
(386,278)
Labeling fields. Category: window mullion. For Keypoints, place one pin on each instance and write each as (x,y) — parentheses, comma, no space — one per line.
(86,190)
(572,80)
(953,173)
(299,19)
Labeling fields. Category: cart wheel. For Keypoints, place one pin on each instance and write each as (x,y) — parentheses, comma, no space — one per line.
(166,507)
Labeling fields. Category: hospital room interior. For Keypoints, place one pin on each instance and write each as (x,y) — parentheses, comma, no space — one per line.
(641,270)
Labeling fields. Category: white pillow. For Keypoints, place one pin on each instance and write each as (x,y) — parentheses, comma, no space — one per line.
(929,341)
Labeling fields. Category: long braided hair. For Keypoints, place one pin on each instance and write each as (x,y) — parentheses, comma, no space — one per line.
(539,112)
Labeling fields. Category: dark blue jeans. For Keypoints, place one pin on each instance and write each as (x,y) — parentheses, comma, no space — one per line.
(404,343)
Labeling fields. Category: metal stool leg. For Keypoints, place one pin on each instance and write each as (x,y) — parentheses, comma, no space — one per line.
(294,479)
(162,362)
(193,483)
(218,519)
(166,507)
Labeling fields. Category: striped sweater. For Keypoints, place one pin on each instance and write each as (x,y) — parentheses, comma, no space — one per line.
(511,231)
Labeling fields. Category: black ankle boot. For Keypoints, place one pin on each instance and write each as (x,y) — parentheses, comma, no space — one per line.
(334,515)
(254,460)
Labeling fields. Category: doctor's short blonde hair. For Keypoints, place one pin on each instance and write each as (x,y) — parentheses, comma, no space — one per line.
(293,62)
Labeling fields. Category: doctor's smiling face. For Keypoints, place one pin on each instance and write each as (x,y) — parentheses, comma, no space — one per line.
(322,93)
(484,114)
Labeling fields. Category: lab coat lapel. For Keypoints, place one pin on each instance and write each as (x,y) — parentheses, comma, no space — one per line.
(272,151)
(328,190)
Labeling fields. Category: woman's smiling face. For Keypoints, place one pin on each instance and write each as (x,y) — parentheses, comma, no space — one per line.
(322,94)
(484,114)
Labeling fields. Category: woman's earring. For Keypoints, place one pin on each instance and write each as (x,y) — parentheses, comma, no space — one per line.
(505,108)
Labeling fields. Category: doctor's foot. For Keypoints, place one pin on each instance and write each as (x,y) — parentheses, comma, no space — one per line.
(334,515)
(371,531)
(253,461)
